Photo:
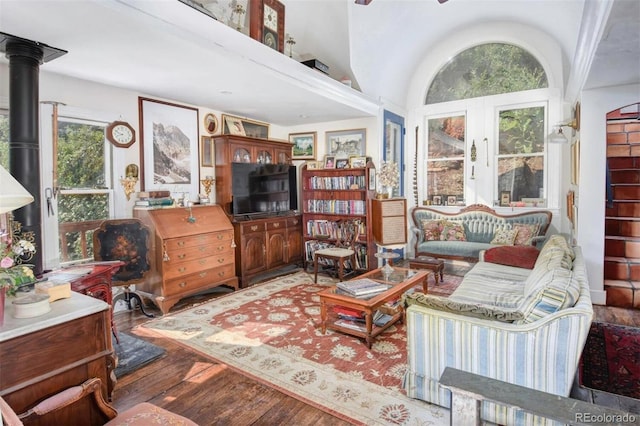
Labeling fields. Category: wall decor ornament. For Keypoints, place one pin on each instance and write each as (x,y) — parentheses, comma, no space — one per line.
(304,145)
(345,143)
(169,146)
(244,127)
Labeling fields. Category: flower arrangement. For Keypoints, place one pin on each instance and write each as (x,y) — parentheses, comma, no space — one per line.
(389,175)
(13,252)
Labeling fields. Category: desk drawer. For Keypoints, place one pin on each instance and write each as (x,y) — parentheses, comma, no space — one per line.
(197,240)
(177,256)
(195,282)
(276,224)
(196,265)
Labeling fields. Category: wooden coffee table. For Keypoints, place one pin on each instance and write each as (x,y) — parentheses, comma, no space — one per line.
(401,280)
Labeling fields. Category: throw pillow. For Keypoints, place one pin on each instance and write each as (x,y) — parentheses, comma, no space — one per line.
(431,229)
(525,233)
(557,289)
(504,237)
(518,256)
(452,231)
(476,310)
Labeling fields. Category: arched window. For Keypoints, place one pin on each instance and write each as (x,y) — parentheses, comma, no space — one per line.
(484,70)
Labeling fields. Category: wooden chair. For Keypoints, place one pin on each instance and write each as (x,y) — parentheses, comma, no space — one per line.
(126,240)
(141,414)
(343,252)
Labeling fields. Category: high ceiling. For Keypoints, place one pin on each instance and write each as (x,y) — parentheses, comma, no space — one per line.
(165,49)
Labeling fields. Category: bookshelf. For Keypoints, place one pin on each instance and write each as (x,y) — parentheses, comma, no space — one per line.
(330,195)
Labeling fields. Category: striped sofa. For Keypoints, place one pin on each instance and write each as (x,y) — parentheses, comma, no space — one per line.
(522,326)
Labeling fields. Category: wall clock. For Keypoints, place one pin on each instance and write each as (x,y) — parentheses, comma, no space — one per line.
(266,23)
(121,134)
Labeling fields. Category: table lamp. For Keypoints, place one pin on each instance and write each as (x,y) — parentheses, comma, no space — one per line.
(12,194)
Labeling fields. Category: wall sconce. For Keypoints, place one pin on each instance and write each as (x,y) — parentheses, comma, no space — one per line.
(208,183)
(557,136)
(130,180)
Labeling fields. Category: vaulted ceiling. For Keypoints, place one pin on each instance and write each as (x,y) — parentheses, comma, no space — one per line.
(166,49)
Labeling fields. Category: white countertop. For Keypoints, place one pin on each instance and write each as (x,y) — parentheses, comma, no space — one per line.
(63,310)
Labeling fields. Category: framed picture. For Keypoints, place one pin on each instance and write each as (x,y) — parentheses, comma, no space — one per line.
(329,162)
(357,162)
(372,179)
(244,127)
(304,145)
(206,151)
(436,200)
(575,162)
(505,198)
(168,146)
(211,123)
(312,165)
(345,143)
(451,200)
(342,163)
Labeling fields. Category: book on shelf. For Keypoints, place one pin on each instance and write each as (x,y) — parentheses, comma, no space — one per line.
(154,194)
(348,312)
(164,201)
(353,325)
(380,318)
(362,287)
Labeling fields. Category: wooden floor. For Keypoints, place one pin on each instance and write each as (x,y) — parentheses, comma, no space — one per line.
(208,393)
(212,394)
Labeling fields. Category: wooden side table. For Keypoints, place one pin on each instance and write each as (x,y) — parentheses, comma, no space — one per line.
(92,279)
(431,263)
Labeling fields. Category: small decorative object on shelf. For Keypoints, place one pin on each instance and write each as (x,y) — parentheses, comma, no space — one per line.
(290,41)
(388,178)
(238,11)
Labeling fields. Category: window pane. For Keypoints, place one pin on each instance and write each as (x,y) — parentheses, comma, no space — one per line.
(81,155)
(445,163)
(485,70)
(522,176)
(4,138)
(521,131)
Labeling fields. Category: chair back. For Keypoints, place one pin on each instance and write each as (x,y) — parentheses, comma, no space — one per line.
(126,240)
(348,233)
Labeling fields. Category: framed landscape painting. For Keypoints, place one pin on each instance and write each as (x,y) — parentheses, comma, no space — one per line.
(304,145)
(169,147)
(346,143)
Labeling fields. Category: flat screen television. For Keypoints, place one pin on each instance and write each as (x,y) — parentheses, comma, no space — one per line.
(263,188)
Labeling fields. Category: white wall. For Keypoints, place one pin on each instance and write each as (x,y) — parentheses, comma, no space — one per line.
(595,104)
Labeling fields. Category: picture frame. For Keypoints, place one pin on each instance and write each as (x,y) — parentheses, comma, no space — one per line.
(436,200)
(232,125)
(329,162)
(206,151)
(505,198)
(211,123)
(312,165)
(342,163)
(452,200)
(372,179)
(304,145)
(182,174)
(575,162)
(346,143)
(357,162)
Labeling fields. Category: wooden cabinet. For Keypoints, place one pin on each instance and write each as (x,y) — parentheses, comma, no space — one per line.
(44,355)
(191,250)
(330,195)
(241,149)
(266,244)
(389,220)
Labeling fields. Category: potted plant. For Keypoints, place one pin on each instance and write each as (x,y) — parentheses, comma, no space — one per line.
(13,273)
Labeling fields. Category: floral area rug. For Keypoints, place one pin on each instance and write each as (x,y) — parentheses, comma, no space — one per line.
(611,359)
(271,332)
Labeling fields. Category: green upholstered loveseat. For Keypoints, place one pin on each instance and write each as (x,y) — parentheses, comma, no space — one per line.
(480,224)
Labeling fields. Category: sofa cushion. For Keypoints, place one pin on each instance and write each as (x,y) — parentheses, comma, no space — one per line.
(452,231)
(476,310)
(452,248)
(432,229)
(525,234)
(518,256)
(504,237)
(557,289)
(556,252)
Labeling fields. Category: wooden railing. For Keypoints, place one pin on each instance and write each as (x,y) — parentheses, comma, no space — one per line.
(82,228)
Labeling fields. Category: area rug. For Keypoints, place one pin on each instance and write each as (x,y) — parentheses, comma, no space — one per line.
(271,332)
(133,353)
(611,359)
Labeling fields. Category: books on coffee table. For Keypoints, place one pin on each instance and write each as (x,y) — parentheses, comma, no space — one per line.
(362,287)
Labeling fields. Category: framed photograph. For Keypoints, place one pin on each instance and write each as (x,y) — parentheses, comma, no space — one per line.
(211,123)
(312,165)
(206,151)
(570,203)
(505,198)
(357,162)
(372,179)
(342,163)
(169,146)
(451,200)
(304,145)
(575,163)
(345,143)
(244,127)
(436,200)
(329,162)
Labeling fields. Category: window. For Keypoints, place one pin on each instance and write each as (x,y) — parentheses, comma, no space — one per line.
(4,138)
(445,161)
